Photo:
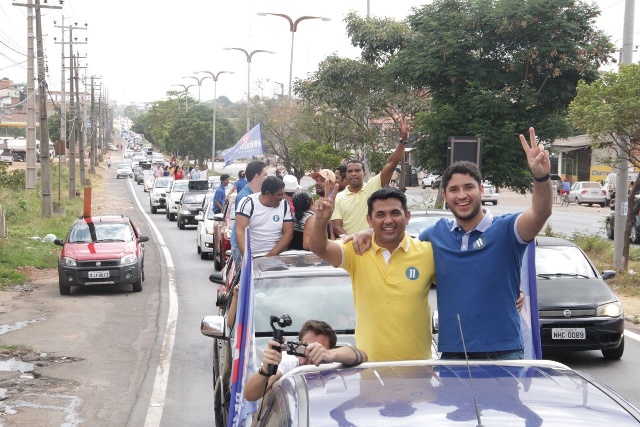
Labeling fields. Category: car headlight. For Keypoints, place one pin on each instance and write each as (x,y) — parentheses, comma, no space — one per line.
(128,259)
(66,261)
(185,212)
(209,229)
(612,309)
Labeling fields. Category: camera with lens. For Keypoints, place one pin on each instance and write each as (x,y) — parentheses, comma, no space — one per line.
(295,348)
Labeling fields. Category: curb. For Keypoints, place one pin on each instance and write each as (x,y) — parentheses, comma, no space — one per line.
(632,319)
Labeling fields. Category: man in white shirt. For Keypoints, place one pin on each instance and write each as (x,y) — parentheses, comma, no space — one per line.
(269,218)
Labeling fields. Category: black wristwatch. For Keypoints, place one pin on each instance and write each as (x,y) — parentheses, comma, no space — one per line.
(263,373)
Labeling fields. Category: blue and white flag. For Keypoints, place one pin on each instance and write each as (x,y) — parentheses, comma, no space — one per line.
(529,315)
(249,145)
(243,345)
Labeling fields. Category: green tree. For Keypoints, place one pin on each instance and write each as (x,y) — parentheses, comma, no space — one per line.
(495,67)
(609,111)
(54,127)
(363,92)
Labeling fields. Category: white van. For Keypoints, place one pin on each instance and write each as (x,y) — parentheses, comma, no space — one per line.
(610,183)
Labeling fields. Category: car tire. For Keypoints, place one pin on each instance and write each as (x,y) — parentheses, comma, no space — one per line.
(218,405)
(608,229)
(602,205)
(199,248)
(180,225)
(577,201)
(167,214)
(634,235)
(614,353)
(172,217)
(495,202)
(154,209)
(137,286)
(203,255)
(590,204)
(64,290)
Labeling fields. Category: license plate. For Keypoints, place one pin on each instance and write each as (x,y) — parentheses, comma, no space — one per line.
(98,274)
(568,334)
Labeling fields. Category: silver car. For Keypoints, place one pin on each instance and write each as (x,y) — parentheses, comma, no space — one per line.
(589,192)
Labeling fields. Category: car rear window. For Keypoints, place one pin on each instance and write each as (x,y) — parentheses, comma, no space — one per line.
(591,185)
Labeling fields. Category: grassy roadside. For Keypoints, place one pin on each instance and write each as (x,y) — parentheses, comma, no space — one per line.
(24,248)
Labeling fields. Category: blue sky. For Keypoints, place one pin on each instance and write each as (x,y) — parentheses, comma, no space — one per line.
(140,48)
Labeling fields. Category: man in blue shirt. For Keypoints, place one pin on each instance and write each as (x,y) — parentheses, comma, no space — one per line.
(220,194)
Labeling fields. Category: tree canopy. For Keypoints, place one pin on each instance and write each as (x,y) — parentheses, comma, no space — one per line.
(495,67)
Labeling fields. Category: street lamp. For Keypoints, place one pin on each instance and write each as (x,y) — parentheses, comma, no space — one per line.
(214,76)
(186,98)
(293,27)
(199,82)
(249,56)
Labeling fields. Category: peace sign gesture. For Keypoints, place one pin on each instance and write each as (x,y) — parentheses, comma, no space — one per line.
(325,205)
(537,156)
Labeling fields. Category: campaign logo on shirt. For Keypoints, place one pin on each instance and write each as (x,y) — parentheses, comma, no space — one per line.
(480,243)
(412,273)
(276,218)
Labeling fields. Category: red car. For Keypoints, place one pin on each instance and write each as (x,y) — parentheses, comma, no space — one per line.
(222,226)
(101,250)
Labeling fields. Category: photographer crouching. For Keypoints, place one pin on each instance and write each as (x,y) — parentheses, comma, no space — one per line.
(318,345)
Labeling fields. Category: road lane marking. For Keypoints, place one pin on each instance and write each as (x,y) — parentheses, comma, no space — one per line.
(631,335)
(158,395)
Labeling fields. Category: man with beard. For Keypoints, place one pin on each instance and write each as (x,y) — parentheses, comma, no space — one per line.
(478,258)
(321,178)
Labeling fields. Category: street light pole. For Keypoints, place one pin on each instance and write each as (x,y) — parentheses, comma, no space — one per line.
(186,98)
(199,82)
(249,56)
(214,76)
(293,27)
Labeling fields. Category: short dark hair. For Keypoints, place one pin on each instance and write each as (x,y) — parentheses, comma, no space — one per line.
(241,174)
(319,327)
(360,162)
(301,201)
(462,167)
(224,176)
(342,170)
(384,194)
(271,185)
(254,168)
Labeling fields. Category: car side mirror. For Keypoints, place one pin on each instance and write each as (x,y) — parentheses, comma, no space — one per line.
(199,217)
(58,242)
(217,278)
(143,239)
(213,327)
(608,274)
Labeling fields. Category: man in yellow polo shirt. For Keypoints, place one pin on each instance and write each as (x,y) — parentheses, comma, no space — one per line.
(390,282)
(349,215)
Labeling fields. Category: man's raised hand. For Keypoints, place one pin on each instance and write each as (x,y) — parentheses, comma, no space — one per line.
(325,205)
(537,156)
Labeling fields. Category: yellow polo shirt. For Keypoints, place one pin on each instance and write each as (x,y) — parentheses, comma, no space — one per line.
(393,320)
(351,208)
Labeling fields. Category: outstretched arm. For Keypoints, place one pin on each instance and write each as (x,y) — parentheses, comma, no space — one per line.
(397,155)
(532,220)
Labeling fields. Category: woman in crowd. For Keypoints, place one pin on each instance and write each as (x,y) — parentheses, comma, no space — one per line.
(303,220)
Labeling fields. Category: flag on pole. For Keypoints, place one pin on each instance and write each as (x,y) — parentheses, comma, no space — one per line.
(249,145)
(529,316)
(243,345)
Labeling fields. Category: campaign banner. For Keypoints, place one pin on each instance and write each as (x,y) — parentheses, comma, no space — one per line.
(243,345)
(249,145)
(529,317)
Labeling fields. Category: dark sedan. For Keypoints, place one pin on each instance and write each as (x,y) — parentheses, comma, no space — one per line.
(634,235)
(578,310)
(444,393)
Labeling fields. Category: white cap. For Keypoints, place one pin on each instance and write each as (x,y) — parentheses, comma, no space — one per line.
(290,183)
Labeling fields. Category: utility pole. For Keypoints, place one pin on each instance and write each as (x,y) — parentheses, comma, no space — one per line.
(94,129)
(622,175)
(80,129)
(63,94)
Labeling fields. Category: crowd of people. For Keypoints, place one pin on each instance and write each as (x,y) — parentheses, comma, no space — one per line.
(176,171)
(359,226)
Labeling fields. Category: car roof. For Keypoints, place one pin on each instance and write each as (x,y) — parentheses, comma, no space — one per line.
(294,263)
(553,241)
(440,393)
(104,218)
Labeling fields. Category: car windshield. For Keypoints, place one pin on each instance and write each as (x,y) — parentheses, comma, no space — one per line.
(562,261)
(180,185)
(323,298)
(123,166)
(161,183)
(193,198)
(419,223)
(100,232)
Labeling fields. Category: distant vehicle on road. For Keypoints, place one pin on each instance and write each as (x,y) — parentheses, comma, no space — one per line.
(588,192)
(634,236)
